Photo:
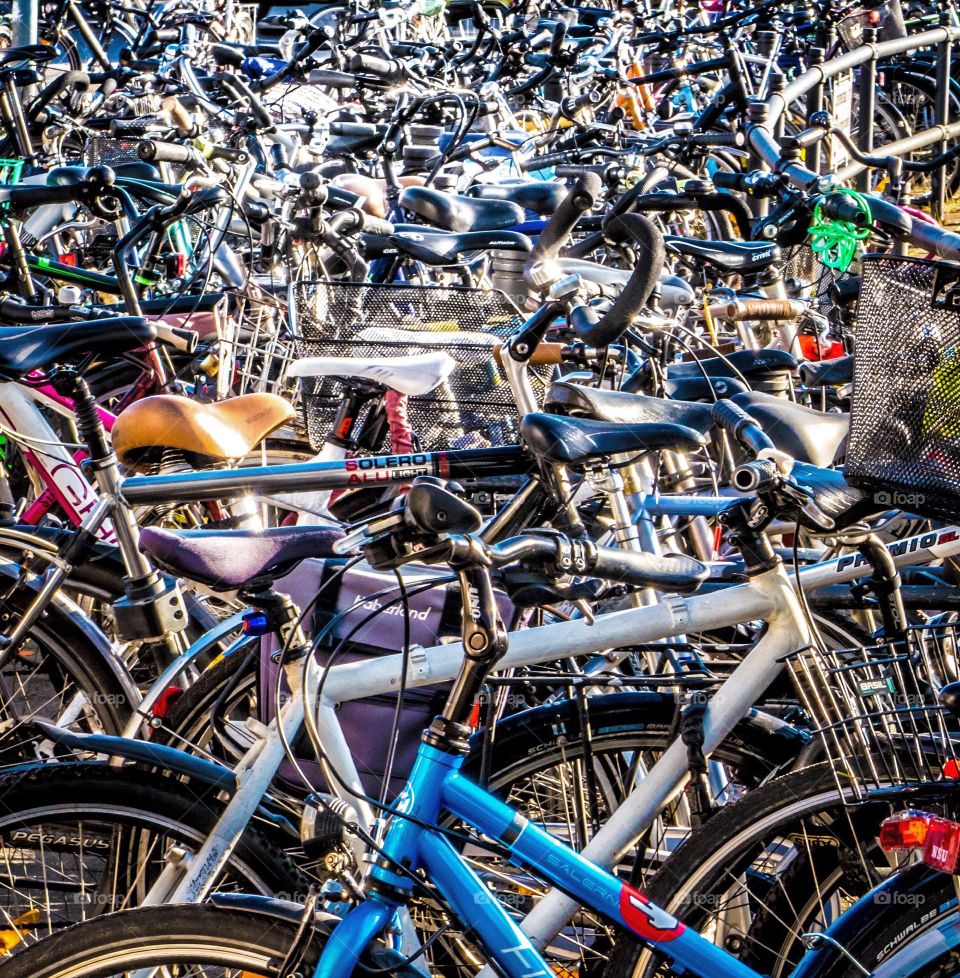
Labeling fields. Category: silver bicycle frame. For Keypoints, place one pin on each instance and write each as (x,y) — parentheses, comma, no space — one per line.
(769,597)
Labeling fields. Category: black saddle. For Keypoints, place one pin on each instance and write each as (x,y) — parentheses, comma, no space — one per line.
(37,53)
(828,373)
(728,256)
(229,559)
(750,363)
(702,388)
(808,435)
(441,248)
(453,212)
(577,441)
(70,176)
(624,408)
(537,196)
(37,347)
(137,170)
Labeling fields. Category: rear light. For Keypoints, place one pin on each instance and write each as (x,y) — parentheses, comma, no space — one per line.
(937,838)
(68,258)
(874,17)
(905,830)
(814,348)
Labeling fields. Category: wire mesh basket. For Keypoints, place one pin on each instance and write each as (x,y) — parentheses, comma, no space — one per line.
(877,713)
(887,17)
(473,408)
(905,413)
(816,282)
(109,151)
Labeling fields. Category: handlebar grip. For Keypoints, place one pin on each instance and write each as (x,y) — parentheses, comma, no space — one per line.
(332,79)
(21,198)
(184,340)
(732,418)
(356,129)
(673,572)
(546,354)
(747,310)
(241,92)
(541,39)
(724,180)
(755,475)
(580,199)
(650,254)
(841,208)
(376,225)
(229,153)
(718,139)
(224,54)
(384,68)
(155,151)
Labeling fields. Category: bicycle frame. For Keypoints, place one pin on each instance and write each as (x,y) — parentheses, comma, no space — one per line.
(767,597)
(436,785)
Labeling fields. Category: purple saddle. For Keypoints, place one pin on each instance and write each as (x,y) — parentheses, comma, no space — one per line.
(229,559)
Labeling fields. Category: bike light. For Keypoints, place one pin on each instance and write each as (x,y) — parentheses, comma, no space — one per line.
(905,830)
(951,770)
(874,17)
(942,845)
(255,623)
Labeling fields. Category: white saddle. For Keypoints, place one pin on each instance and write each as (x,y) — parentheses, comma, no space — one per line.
(414,375)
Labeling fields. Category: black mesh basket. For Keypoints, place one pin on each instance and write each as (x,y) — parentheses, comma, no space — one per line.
(886,16)
(110,151)
(817,282)
(905,421)
(473,408)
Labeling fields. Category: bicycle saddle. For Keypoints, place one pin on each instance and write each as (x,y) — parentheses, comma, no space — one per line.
(577,441)
(806,434)
(414,375)
(37,53)
(728,256)
(70,176)
(205,433)
(443,248)
(828,373)
(702,388)
(750,363)
(538,196)
(453,212)
(226,560)
(624,408)
(38,347)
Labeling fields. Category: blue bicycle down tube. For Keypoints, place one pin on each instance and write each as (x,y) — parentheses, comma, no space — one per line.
(594,887)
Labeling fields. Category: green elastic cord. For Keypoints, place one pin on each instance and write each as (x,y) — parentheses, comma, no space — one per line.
(835,242)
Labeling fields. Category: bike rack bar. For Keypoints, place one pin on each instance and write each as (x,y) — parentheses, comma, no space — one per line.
(868,103)
(942,109)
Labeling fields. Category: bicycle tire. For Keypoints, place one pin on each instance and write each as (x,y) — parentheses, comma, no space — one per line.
(695,882)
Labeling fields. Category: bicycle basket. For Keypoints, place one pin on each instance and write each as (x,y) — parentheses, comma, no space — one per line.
(905,414)
(876,712)
(887,17)
(815,281)
(109,151)
(473,408)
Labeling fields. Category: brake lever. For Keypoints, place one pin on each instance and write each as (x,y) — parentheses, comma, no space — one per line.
(804,500)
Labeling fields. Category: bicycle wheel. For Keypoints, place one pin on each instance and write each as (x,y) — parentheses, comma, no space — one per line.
(59,674)
(82,840)
(785,861)
(202,942)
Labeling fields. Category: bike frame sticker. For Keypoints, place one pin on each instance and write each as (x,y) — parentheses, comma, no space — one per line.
(647,920)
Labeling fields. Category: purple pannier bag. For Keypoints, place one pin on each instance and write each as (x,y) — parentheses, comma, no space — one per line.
(434,618)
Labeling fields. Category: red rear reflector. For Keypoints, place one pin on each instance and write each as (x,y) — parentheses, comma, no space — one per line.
(474,720)
(68,258)
(813,348)
(180,264)
(905,830)
(951,770)
(943,845)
